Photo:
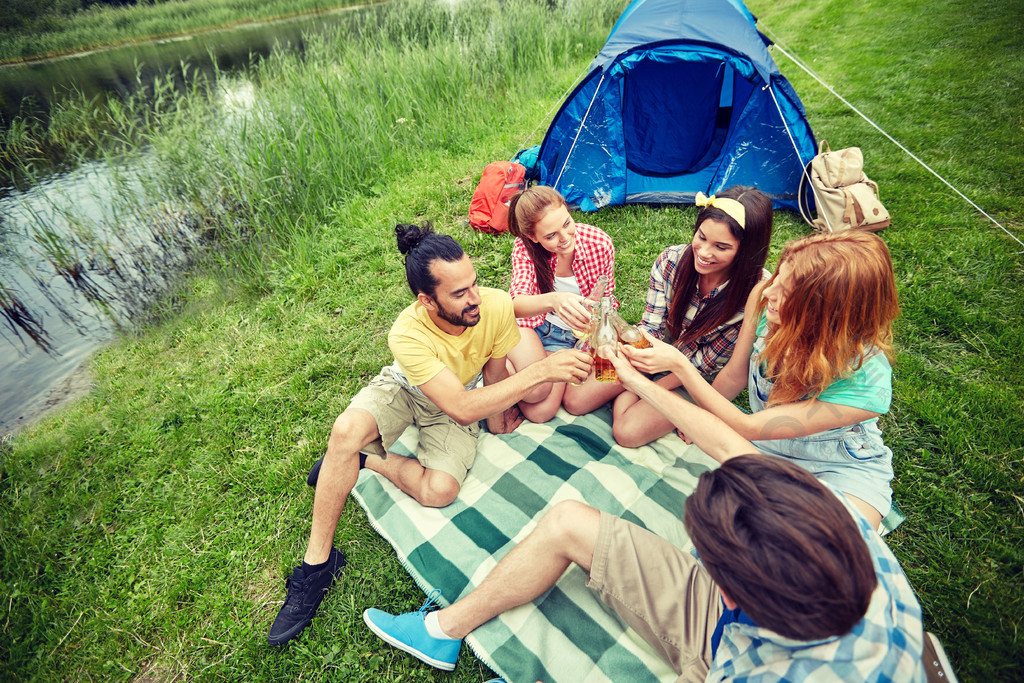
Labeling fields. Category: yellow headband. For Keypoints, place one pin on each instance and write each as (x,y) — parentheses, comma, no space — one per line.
(730,206)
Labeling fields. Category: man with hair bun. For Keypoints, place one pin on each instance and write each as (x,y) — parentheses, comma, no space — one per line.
(455,334)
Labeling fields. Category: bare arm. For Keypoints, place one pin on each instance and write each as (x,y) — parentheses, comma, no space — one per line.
(569,307)
(778,422)
(733,377)
(712,435)
(467,407)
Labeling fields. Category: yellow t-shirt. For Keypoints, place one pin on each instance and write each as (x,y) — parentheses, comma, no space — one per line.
(422,350)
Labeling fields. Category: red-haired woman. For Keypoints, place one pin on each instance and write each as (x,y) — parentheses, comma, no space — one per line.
(814,352)
(556,262)
(695,302)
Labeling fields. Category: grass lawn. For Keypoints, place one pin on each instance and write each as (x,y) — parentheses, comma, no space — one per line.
(145,532)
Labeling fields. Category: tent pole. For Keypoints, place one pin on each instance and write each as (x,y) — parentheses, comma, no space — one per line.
(579,130)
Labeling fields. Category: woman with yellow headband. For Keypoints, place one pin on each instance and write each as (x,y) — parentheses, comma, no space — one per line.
(815,355)
(695,302)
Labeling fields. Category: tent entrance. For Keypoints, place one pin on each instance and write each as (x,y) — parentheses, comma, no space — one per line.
(676,115)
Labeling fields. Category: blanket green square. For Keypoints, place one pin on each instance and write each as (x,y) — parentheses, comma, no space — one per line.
(568,634)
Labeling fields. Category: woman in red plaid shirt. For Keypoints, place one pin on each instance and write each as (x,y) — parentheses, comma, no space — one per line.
(555,263)
(716,270)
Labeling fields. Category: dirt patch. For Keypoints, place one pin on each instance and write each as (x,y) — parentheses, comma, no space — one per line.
(73,387)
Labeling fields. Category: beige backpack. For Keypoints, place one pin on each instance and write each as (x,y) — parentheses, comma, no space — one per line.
(843,196)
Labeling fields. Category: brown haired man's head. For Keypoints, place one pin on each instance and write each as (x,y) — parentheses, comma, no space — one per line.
(782,546)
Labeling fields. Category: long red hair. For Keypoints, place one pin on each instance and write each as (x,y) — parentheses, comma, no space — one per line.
(838,312)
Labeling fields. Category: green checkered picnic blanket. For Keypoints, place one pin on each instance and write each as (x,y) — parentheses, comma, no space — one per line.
(568,634)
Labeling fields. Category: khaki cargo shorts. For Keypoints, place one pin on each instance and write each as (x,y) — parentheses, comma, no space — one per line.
(444,444)
(660,591)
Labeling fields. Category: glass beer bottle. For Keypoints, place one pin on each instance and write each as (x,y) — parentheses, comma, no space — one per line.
(628,334)
(605,335)
(593,300)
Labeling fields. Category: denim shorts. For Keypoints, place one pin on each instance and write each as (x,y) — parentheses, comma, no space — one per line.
(555,338)
(852,459)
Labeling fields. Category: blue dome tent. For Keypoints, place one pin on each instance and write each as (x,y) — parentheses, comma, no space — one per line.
(683,98)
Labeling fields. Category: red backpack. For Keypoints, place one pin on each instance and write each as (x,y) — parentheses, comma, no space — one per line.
(488,210)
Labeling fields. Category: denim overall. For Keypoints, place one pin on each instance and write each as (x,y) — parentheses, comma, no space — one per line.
(853,459)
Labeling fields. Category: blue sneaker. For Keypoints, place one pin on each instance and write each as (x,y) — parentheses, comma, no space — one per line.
(408,633)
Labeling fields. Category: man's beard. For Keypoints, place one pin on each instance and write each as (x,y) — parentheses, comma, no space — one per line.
(461,319)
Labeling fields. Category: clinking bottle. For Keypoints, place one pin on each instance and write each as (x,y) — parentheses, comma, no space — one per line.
(605,335)
(628,334)
(593,300)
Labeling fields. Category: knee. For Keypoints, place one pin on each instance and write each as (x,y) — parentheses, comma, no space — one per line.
(439,491)
(626,434)
(561,521)
(538,394)
(574,402)
(348,435)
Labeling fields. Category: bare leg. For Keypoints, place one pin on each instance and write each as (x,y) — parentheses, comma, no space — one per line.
(542,411)
(590,396)
(352,430)
(431,488)
(566,534)
(541,404)
(639,424)
(873,516)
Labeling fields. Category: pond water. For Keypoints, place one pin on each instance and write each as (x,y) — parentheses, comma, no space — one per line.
(59,300)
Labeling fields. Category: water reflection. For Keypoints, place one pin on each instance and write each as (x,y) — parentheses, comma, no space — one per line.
(31,89)
(85,253)
(81,268)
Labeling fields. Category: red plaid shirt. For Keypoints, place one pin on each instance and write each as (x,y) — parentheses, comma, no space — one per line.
(594,256)
(708,353)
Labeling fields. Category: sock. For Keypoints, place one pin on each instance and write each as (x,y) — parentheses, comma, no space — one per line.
(314,568)
(434,629)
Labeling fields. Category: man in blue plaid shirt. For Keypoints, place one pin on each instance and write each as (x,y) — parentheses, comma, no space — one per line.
(792,583)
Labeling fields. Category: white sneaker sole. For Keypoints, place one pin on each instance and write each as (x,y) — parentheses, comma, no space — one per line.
(436,663)
(942,661)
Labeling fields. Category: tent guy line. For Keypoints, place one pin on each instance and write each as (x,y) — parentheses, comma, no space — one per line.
(778,45)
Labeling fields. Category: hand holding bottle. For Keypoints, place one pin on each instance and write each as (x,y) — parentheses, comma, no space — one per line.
(567,365)
(660,357)
(625,372)
(592,302)
(572,308)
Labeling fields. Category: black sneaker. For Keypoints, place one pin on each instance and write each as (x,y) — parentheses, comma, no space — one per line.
(314,472)
(305,593)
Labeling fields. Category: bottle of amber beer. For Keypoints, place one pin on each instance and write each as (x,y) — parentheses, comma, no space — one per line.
(605,335)
(627,333)
(586,337)
(594,301)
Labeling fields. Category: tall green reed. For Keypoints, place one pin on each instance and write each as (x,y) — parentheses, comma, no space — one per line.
(362,108)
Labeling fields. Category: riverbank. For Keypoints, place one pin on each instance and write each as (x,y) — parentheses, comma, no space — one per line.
(103,27)
(148,529)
